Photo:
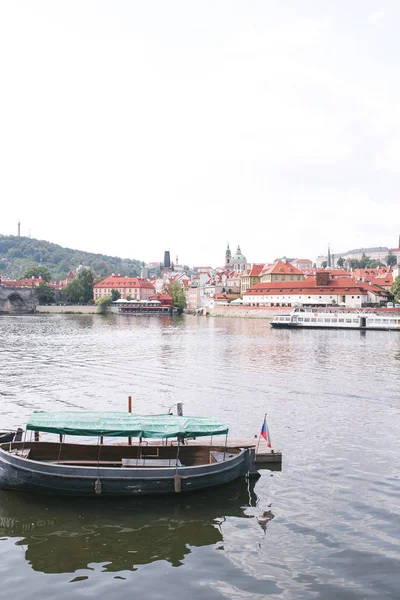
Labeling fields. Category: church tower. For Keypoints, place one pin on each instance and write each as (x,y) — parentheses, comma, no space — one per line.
(228,256)
(329,261)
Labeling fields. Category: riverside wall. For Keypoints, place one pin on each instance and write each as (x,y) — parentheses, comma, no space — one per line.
(59,309)
(248,312)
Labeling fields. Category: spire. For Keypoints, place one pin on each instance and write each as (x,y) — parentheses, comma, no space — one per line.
(227,256)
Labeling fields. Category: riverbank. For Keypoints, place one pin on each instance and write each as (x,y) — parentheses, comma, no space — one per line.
(247,312)
(68,309)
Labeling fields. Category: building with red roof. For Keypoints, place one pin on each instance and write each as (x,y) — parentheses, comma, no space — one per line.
(165,299)
(135,288)
(314,291)
(281,271)
(251,277)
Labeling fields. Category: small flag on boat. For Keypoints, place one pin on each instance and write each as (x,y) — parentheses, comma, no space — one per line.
(265,432)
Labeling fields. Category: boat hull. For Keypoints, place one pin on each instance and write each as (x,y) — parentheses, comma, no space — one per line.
(352,327)
(22,474)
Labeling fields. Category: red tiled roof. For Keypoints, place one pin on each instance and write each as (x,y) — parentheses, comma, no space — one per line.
(255,270)
(309,286)
(160,296)
(115,281)
(338,272)
(282,268)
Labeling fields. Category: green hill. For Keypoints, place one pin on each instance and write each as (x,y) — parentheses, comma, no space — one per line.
(17,254)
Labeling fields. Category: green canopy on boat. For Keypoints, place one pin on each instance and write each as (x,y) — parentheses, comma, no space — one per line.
(118,424)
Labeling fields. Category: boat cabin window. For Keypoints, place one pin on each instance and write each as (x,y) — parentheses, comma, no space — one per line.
(306,320)
(300,319)
(327,320)
(313,320)
(355,320)
(341,320)
(348,320)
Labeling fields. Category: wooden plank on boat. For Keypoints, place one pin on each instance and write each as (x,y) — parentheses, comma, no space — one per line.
(263,455)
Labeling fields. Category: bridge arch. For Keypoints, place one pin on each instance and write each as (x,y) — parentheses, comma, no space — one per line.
(17,300)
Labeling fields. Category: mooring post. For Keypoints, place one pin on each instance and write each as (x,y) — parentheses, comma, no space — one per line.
(179,408)
(130,410)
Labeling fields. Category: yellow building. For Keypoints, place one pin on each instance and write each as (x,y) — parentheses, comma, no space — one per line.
(250,277)
(281,271)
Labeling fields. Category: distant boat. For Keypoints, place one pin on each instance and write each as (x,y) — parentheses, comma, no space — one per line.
(59,468)
(336,319)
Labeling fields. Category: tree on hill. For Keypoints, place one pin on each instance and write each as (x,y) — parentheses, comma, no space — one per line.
(22,253)
(391,260)
(37,272)
(340,262)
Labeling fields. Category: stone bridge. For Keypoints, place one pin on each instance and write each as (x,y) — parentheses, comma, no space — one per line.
(17,300)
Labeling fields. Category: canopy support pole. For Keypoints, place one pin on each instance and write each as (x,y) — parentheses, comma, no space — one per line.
(98,455)
(129,411)
(226,443)
(60,448)
(23,444)
(177,453)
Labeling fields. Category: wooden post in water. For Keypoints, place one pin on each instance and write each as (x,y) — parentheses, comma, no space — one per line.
(130,410)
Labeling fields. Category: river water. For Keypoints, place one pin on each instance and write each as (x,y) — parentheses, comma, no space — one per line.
(332,403)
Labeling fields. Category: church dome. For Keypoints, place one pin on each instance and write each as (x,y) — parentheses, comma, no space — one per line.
(239,256)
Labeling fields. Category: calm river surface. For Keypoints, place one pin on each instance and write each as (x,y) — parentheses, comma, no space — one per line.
(332,399)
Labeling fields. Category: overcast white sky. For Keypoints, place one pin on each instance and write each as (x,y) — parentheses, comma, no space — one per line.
(130,127)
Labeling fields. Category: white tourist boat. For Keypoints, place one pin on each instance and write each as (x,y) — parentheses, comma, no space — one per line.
(336,319)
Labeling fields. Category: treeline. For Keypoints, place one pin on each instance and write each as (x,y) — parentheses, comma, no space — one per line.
(365,262)
(18,254)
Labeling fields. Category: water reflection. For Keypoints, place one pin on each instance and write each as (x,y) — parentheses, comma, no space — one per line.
(64,535)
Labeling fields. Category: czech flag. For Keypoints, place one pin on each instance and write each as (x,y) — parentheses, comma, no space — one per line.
(265,433)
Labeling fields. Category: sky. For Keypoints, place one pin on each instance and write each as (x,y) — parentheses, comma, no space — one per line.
(130,127)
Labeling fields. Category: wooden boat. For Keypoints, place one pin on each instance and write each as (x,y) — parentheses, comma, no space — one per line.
(336,319)
(121,470)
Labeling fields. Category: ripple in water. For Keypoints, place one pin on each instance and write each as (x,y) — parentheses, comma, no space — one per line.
(333,408)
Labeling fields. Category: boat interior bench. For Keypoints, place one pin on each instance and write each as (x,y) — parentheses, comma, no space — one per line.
(219,456)
(124,462)
(22,452)
(151,462)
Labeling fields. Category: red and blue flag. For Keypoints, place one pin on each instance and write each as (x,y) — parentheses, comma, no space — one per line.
(265,433)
